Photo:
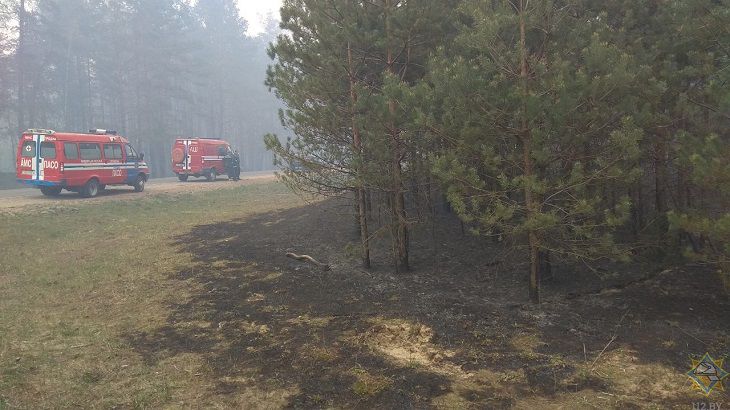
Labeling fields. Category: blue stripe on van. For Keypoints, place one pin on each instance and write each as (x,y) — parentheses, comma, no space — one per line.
(34,182)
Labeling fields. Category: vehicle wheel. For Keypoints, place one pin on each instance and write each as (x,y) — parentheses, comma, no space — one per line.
(212,175)
(91,189)
(182,177)
(51,190)
(102,187)
(139,183)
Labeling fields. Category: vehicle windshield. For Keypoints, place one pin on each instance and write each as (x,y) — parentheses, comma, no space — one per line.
(131,153)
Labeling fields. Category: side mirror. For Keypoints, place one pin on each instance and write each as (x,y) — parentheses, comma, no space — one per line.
(141,156)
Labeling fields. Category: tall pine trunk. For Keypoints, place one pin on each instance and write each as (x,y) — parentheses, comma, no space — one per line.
(399,209)
(660,172)
(358,151)
(526,137)
(20,60)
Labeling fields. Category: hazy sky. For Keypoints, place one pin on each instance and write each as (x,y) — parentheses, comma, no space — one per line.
(255,12)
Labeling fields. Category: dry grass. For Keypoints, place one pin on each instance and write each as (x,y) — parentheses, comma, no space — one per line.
(368,384)
(73,280)
(408,344)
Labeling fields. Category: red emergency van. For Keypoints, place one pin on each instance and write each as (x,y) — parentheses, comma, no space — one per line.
(84,163)
(199,157)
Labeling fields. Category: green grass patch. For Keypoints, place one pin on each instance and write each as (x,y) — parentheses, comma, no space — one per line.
(75,279)
(368,384)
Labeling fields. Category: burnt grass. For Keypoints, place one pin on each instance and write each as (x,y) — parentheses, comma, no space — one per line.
(310,327)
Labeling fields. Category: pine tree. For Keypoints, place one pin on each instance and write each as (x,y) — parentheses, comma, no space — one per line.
(532,106)
(224,40)
(405,34)
(704,143)
(344,71)
(318,78)
(7,15)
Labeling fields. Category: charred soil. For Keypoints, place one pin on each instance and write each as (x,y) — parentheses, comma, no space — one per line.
(455,332)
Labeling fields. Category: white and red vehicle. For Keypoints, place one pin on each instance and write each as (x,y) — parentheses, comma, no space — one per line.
(84,163)
(199,157)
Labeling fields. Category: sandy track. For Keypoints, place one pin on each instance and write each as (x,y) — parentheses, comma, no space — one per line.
(12,199)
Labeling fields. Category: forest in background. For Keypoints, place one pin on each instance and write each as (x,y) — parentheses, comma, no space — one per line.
(152,70)
(579,131)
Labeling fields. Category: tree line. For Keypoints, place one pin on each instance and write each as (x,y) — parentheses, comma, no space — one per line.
(575,130)
(151,69)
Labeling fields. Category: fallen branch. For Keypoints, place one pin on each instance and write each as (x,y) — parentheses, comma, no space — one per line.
(307,258)
(615,335)
(604,349)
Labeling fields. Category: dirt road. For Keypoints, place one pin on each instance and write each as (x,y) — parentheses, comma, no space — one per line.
(22,197)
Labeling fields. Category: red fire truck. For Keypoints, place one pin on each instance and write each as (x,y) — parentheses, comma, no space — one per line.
(199,157)
(84,163)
